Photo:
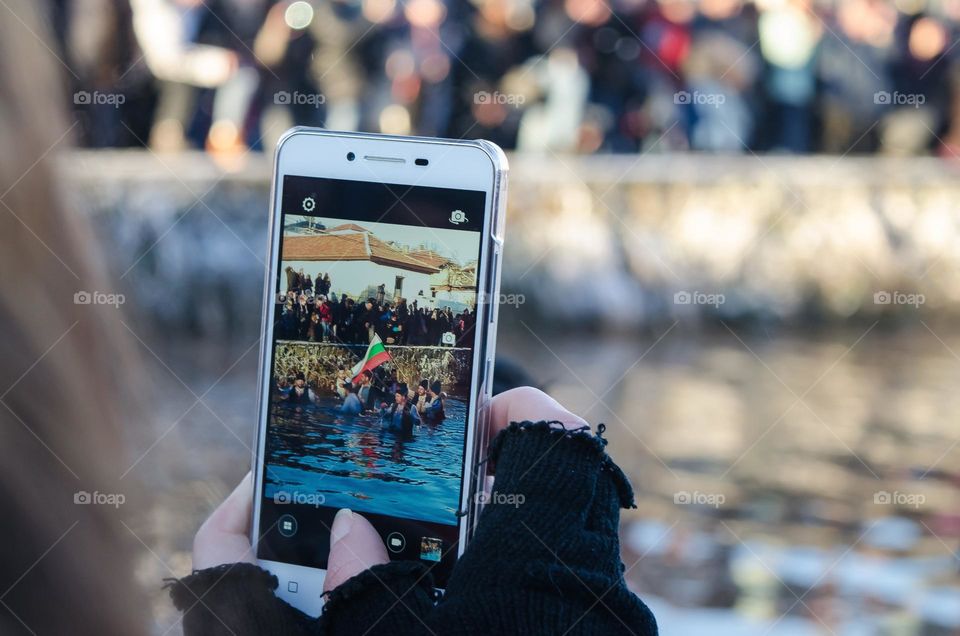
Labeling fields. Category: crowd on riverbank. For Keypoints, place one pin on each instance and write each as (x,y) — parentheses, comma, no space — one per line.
(581,75)
(343,320)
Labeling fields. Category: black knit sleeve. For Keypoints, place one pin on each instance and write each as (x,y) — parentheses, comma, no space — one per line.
(392,599)
(235,599)
(545,558)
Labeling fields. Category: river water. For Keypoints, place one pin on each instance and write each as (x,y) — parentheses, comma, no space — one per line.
(351,462)
(786,482)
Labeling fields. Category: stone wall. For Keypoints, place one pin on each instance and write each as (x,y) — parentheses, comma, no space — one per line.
(319,362)
(616,241)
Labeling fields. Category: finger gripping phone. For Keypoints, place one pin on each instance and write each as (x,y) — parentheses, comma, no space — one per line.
(377,352)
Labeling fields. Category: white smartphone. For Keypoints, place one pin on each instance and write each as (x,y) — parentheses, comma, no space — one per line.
(377,353)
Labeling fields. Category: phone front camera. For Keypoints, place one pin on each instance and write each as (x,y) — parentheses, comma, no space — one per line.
(351,156)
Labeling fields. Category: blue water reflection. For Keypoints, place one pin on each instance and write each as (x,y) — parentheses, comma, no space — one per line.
(314,450)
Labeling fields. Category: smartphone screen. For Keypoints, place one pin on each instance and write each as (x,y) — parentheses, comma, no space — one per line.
(371,373)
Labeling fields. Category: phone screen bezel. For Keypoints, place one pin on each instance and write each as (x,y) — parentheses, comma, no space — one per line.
(452,164)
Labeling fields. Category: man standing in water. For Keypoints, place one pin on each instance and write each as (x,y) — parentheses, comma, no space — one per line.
(400,416)
(351,403)
(300,393)
(433,412)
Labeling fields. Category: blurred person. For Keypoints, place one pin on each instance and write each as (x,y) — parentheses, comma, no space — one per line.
(342,34)
(340,382)
(949,146)
(854,70)
(284,386)
(113,98)
(368,319)
(291,277)
(323,283)
(915,109)
(719,72)
(288,322)
(344,321)
(351,403)
(665,29)
(300,392)
(307,283)
(302,313)
(401,416)
(497,42)
(552,125)
(324,313)
(393,330)
(418,399)
(284,46)
(188,46)
(312,60)
(314,331)
(789,36)
(366,391)
(67,378)
(619,85)
(433,408)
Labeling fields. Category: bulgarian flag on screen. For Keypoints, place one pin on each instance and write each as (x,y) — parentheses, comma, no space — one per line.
(376,355)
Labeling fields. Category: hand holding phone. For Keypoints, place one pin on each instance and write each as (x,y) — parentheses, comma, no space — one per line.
(355,543)
(398,242)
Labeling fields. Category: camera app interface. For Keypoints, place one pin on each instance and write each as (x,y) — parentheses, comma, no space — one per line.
(371,371)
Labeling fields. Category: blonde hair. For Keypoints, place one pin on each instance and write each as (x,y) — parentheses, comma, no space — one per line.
(63,400)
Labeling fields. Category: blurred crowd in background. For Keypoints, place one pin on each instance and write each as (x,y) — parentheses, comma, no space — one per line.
(585,76)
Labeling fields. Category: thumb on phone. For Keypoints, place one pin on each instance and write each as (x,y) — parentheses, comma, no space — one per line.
(354,547)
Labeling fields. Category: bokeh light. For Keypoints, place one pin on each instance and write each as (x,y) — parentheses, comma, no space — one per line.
(299,15)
